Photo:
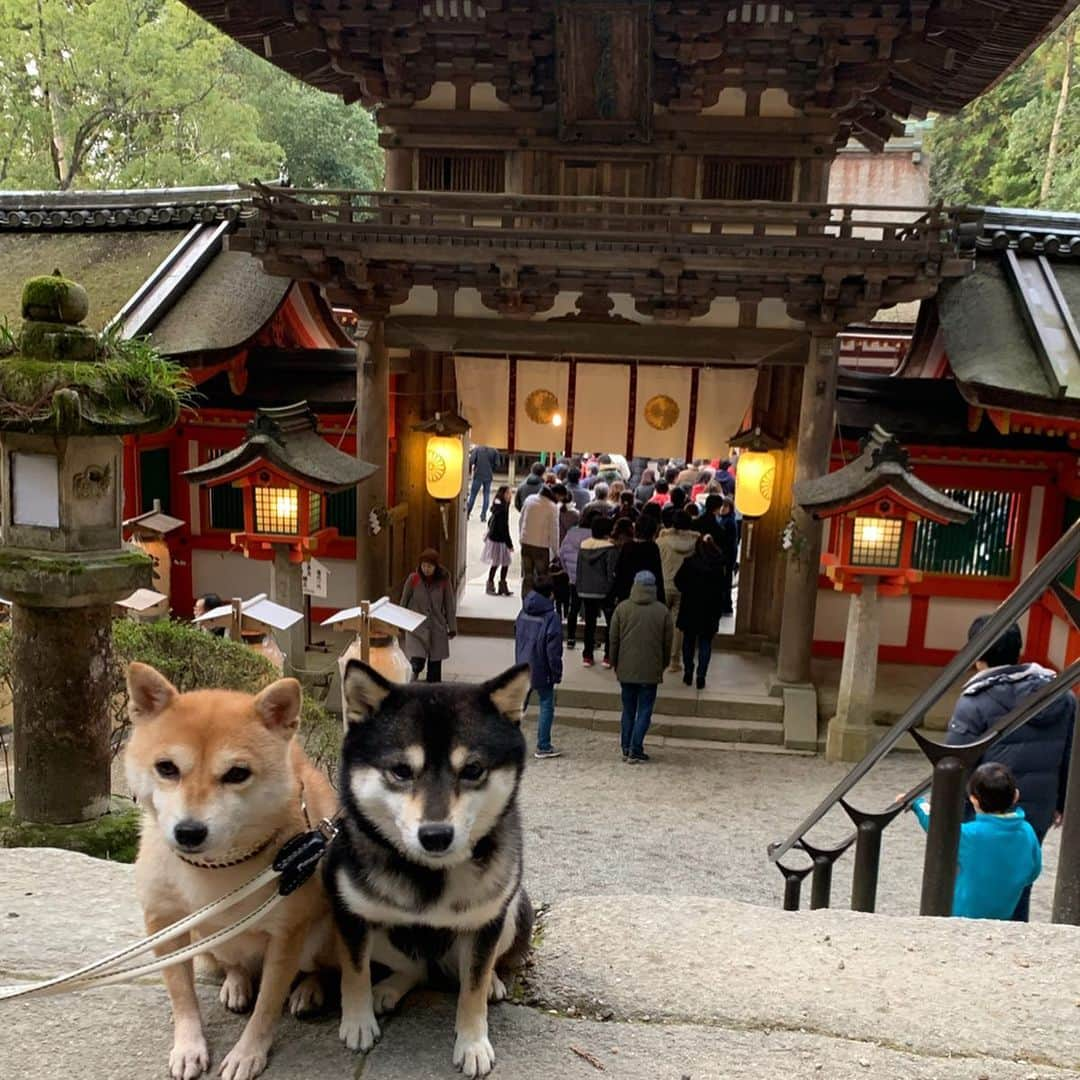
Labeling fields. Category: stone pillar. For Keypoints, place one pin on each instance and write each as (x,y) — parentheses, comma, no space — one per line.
(851,729)
(61,698)
(287,589)
(816,426)
(372,414)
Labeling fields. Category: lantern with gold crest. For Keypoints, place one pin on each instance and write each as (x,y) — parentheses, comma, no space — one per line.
(444,460)
(755,475)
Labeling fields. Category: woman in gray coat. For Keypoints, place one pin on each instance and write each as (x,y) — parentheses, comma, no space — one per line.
(430,592)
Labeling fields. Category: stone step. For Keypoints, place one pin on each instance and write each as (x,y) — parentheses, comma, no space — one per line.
(678,702)
(702,728)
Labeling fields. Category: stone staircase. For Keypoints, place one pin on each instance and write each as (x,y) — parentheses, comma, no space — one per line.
(748,722)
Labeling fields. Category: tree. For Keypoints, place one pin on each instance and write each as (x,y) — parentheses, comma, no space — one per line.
(1019,144)
(143,93)
(325,143)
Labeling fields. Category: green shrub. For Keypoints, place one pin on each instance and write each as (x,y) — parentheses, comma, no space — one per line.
(194,660)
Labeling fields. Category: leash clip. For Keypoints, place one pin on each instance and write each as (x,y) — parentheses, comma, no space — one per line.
(298,859)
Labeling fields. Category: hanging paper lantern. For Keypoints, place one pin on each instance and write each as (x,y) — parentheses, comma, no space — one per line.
(445,463)
(754,479)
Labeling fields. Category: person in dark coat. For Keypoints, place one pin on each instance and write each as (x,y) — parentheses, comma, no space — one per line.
(538,642)
(579,494)
(645,490)
(595,576)
(1038,754)
(641,553)
(483,461)
(430,592)
(718,522)
(498,544)
(700,581)
(725,478)
(532,485)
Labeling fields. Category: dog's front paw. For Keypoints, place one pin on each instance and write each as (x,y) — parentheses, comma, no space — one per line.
(307,996)
(359,1029)
(189,1058)
(236,991)
(244,1061)
(474,1056)
(497,990)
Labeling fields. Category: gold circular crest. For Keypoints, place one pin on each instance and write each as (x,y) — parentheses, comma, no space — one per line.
(661,412)
(765,484)
(541,406)
(436,466)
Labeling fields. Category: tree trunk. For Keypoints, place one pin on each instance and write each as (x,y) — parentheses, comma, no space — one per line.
(1059,116)
(53,109)
(61,704)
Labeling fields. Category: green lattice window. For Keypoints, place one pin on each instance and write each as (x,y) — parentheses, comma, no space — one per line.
(341,512)
(984,547)
(226,503)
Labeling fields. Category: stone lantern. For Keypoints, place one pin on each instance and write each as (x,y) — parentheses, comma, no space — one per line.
(285,469)
(875,501)
(63,562)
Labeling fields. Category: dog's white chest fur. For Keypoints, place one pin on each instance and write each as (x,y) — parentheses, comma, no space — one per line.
(464,904)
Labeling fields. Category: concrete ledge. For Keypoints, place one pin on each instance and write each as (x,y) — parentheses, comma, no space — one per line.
(907,983)
(637,986)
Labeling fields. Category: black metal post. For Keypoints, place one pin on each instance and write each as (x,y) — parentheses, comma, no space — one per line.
(947,798)
(821,882)
(1067,889)
(793,880)
(868,832)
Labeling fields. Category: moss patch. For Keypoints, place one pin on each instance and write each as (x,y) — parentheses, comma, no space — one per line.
(114,837)
(130,389)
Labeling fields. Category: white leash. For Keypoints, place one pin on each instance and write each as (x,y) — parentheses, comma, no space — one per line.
(292,866)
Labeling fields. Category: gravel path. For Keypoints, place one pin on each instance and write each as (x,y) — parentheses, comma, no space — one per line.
(697,823)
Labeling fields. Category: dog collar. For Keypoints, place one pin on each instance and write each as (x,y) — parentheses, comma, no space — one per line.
(224,864)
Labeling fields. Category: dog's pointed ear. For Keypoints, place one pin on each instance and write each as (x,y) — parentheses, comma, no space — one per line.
(149,692)
(278,707)
(365,691)
(507,691)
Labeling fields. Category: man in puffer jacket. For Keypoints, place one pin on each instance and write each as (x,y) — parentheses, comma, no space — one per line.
(538,643)
(1037,754)
(641,633)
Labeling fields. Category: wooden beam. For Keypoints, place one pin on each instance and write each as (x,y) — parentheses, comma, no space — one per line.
(694,344)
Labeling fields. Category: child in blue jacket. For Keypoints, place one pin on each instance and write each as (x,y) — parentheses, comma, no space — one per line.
(538,642)
(999,852)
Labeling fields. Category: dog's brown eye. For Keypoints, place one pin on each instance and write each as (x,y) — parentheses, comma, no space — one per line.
(473,772)
(401,772)
(236,775)
(166,770)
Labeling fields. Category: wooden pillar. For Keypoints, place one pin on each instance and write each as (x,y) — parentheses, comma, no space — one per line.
(399,170)
(372,405)
(816,426)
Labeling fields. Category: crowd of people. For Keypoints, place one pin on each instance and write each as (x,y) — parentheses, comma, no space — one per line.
(649,548)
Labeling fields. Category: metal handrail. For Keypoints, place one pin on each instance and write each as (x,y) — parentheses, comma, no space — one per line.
(1056,561)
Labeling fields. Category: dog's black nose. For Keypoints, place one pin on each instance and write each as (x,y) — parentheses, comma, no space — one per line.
(190,834)
(436,837)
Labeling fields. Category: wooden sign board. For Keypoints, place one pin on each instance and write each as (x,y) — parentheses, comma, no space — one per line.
(604,70)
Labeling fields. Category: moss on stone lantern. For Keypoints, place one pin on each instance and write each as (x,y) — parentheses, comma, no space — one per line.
(66,398)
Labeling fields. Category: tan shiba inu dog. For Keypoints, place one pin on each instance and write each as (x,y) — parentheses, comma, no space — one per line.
(222,783)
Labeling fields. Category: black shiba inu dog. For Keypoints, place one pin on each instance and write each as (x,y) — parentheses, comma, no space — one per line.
(426,869)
